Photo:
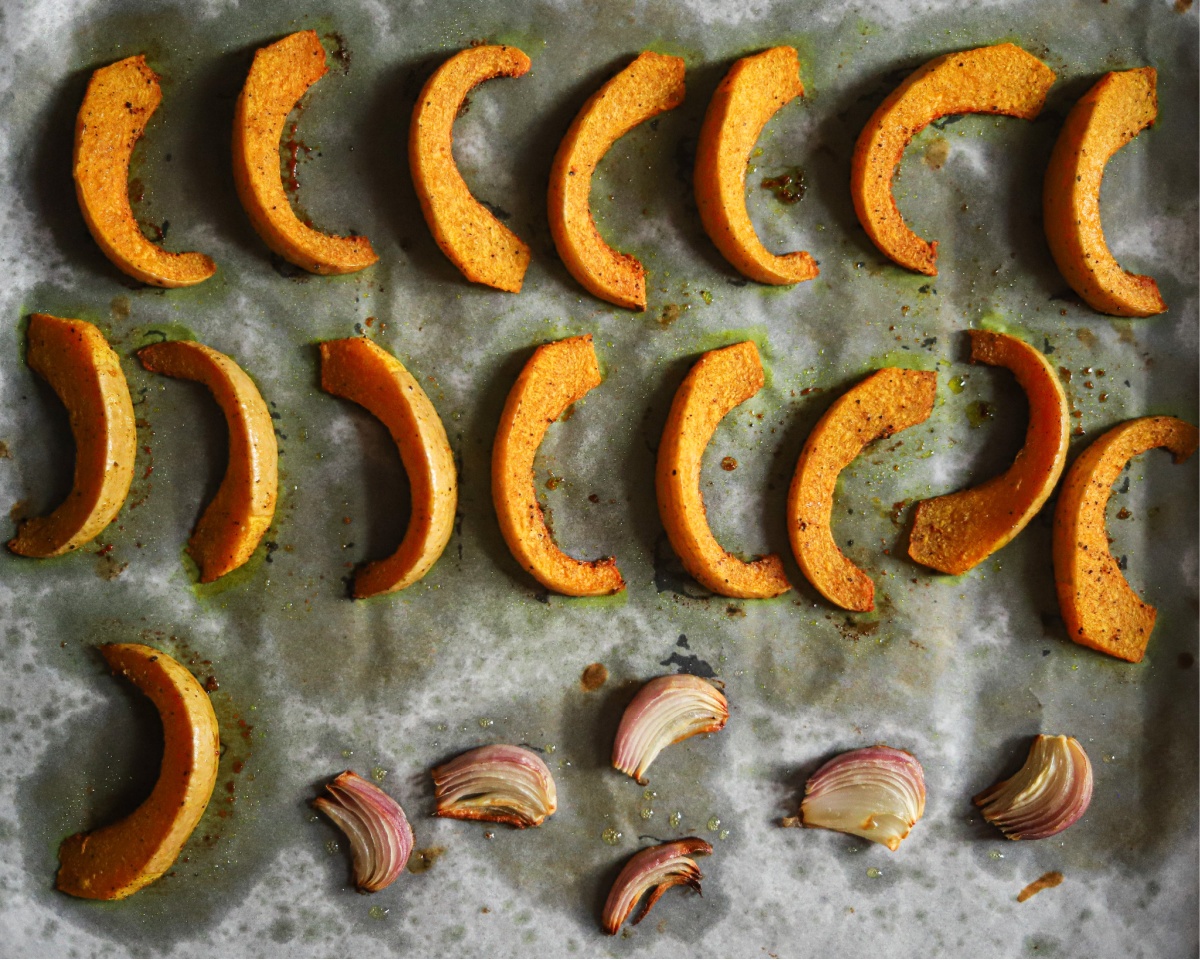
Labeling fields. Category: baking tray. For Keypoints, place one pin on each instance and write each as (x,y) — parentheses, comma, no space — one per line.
(961,671)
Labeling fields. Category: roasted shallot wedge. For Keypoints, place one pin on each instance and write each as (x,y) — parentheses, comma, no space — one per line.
(500,783)
(380,838)
(665,711)
(876,793)
(655,869)
(1048,794)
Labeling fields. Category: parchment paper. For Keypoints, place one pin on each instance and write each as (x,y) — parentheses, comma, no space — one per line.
(961,671)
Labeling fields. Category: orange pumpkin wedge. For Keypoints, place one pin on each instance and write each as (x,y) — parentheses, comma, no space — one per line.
(361,371)
(650,85)
(720,380)
(231,527)
(78,363)
(557,375)
(1003,79)
(118,104)
(1099,607)
(1118,108)
(751,93)
(118,860)
(469,234)
(955,532)
(886,402)
(279,77)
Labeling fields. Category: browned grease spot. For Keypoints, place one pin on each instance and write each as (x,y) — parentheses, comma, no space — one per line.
(728,463)
(1124,514)
(1086,337)
(553,482)
(671,312)
(422,860)
(119,308)
(1183,6)
(594,676)
(1186,661)
(937,153)
(1044,882)
(5,453)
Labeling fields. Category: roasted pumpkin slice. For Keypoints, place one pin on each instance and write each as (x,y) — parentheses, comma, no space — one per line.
(118,104)
(1099,607)
(279,77)
(115,861)
(231,527)
(955,532)
(1107,117)
(750,95)
(470,235)
(720,380)
(886,402)
(1002,79)
(365,373)
(76,360)
(555,377)
(650,85)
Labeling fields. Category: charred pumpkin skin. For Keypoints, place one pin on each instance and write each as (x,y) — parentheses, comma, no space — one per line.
(1099,607)
(232,526)
(279,77)
(361,371)
(720,380)
(118,860)
(956,532)
(750,95)
(77,362)
(650,85)
(118,104)
(1003,79)
(556,376)
(1118,108)
(468,233)
(886,402)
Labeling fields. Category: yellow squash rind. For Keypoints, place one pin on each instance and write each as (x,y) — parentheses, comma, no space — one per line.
(1002,79)
(720,380)
(752,92)
(650,85)
(78,363)
(1099,607)
(955,532)
(278,78)
(556,376)
(118,860)
(365,373)
(232,526)
(886,402)
(118,104)
(468,233)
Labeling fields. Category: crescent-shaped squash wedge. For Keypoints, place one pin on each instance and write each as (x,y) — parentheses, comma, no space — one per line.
(751,93)
(955,532)
(1001,79)
(650,85)
(476,242)
(279,77)
(76,360)
(361,371)
(555,377)
(885,403)
(233,524)
(120,859)
(1118,108)
(1099,607)
(118,104)
(720,380)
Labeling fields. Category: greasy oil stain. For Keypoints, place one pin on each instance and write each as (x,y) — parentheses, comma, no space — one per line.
(423,860)
(594,676)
